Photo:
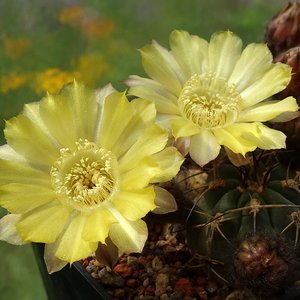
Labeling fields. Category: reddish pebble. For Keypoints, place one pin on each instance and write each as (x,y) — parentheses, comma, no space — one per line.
(123,270)
(184,285)
(202,281)
(132,282)
(212,284)
(150,290)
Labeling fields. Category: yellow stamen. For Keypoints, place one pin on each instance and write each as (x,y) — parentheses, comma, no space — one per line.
(209,101)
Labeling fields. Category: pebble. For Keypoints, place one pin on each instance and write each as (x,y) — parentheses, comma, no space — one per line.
(162,281)
(110,278)
(123,270)
(157,264)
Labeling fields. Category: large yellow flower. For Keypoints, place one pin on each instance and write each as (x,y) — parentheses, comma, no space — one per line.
(77,169)
(211,94)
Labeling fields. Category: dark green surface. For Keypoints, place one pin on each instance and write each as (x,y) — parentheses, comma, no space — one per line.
(47,43)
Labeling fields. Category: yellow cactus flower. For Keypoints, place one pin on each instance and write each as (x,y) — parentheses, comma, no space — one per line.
(77,171)
(211,93)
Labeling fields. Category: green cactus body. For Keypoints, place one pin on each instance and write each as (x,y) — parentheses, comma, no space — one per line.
(242,201)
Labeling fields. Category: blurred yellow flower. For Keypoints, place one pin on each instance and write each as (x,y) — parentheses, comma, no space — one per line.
(211,93)
(90,69)
(77,172)
(15,48)
(71,14)
(51,80)
(13,81)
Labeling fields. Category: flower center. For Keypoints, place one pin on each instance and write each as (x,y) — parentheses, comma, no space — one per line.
(86,177)
(209,101)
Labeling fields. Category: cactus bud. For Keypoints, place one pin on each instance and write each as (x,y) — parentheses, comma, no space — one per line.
(291,57)
(263,264)
(283,31)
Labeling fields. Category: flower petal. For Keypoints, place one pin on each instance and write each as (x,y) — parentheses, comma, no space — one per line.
(101,218)
(129,236)
(223,51)
(43,226)
(268,139)
(15,172)
(235,143)
(268,110)
(20,198)
(272,82)
(143,114)
(118,113)
(183,128)
(190,52)
(164,200)
(70,245)
(163,104)
(8,231)
(151,141)
(134,204)
(254,62)
(108,253)
(52,262)
(28,140)
(158,68)
(169,161)
(204,147)
(140,176)
(74,110)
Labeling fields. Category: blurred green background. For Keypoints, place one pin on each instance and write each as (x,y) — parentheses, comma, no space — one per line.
(46,43)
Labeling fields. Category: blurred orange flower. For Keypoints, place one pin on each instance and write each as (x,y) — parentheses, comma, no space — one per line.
(14,48)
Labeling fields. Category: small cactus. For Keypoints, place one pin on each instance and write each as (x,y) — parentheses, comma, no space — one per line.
(245,225)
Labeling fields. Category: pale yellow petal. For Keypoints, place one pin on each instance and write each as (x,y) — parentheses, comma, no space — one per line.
(71,115)
(23,197)
(28,140)
(70,244)
(235,143)
(272,82)
(181,128)
(163,104)
(171,61)
(129,236)
(158,89)
(190,52)
(52,262)
(268,139)
(7,153)
(97,225)
(204,147)
(254,62)
(268,110)
(8,231)
(169,161)
(15,172)
(43,226)
(140,176)
(151,141)
(82,101)
(143,114)
(158,68)
(164,200)
(118,113)
(134,204)
(223,51)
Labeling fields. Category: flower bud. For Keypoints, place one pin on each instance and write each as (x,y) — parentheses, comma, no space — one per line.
(283,31)
(263,264)
(291,57)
